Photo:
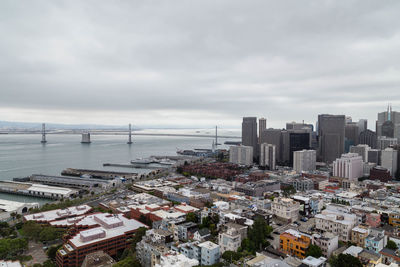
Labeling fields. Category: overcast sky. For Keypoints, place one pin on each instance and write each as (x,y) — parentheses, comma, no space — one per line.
(197,63)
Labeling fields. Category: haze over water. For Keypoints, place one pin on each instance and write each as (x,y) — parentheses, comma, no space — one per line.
(22,155)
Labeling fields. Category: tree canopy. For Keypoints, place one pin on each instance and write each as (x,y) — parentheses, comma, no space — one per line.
(314,251)
(344,260)
(391,245)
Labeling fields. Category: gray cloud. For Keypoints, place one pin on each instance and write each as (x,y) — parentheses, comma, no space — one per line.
(197,62)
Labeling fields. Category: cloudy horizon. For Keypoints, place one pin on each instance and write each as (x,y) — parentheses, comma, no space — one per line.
(197,63)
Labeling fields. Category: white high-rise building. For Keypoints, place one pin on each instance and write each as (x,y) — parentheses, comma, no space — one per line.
(389,160)
(268,156)
(242,155)
(349,166)
(361,150)
(304,160)
(384,142)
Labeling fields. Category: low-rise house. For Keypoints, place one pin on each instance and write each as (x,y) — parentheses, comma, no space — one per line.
(389,256)
(369,258)
(328,243)
(294,243)
(185,231)
(285,208)
(310,261)
(231,239)
(376,240)
(202,235)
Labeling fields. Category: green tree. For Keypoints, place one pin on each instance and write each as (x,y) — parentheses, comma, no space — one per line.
(289,190)
(344,260)
(314,251)
(11,248)
(191,217)
(391,245)
(231,256)
(52,251)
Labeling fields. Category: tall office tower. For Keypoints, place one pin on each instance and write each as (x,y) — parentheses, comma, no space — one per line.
(349,166)
(362,125)
(262,126)
(397,148)
(298,140)
(249,133)
(304,160)
(351,135)
(361,150)
(374,156)
(268,156)
(298,126)
(273,137)
(389,160)
(242,155)
(368,137)
(387,122)
(384,142)
(331,136)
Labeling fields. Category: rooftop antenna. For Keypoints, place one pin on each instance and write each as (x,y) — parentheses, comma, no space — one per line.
(130,135)
(43,134)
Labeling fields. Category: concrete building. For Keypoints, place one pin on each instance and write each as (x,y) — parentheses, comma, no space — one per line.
(7,207)
(351,135)
(210,253)
(294,243)
(358,235)
(249,133)
(368,137)
(297,140)
(300,183)
(242,155)
(331,133)
(382,124)
(231,239)
(389,160)
(328,243)
(374,156)
(273,137)
(262,126)
(268,156)
(285,208)
(258,188)
(336,222)
(348,166)
(304,160)
(376,240)
(299,126)
(361,150)
(384,142)
(112,236)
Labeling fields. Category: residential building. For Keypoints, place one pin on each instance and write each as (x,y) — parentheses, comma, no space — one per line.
(268,156)
(285,208)
(348,166)
(232,238)
(242,155)
(304,160)
(336,222)
(249,133)
(376,240)
(389,160)
(331,133)
(185,231)
(328,243)
(112,236)
(153,245)
(358,235)
(210,253)
(310,261)
(294,243)
(301,184)
(257,189)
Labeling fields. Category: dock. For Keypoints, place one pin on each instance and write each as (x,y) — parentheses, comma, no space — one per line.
(100,174)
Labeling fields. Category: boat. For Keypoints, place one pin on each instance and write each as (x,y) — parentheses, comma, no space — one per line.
(166,161)
(143,161)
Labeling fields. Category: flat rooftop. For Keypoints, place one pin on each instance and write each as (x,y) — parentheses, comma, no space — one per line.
(58,214)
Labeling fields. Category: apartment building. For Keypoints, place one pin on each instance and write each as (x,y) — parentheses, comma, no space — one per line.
(336,222)
(328,243)
(285,208)
(112,236)
(294,243)
(358,235)
(231,239)
(376,240)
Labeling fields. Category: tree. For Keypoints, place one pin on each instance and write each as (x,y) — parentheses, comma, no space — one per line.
(231,256)
(314,250)
(52,251)
(391,245)
(344,260)
(257,236)
(287,191)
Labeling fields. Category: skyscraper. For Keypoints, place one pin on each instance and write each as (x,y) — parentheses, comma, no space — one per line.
(267,156)
(249,133)
(384,128)
(262,126)
(304,160)
(368,137)
(331,131)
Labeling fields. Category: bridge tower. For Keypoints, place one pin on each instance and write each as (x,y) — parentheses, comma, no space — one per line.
(43,134)
(130,135)
(85,138)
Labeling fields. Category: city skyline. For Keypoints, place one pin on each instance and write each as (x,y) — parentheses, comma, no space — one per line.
(197,64)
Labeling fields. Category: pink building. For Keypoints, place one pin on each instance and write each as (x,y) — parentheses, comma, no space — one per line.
(373,219)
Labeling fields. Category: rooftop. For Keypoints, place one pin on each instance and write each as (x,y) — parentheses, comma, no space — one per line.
(53,215)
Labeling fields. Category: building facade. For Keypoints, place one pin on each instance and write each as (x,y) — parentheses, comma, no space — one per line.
(349,166)
(268,156)
(285,208)
(249,133)
(331,135)
(242,155)
(304,160)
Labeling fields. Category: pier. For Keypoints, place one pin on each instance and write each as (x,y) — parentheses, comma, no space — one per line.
(134,166)
(108,175)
